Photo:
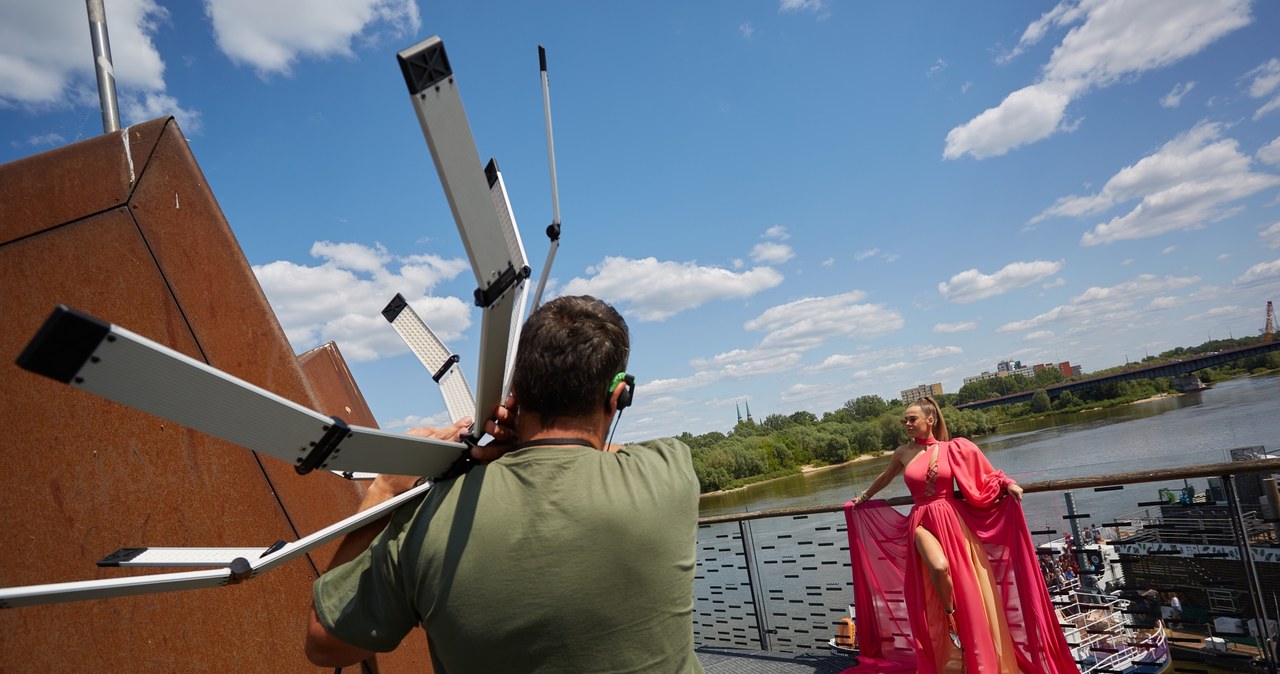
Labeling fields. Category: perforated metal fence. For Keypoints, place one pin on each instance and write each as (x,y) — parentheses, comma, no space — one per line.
(781,583)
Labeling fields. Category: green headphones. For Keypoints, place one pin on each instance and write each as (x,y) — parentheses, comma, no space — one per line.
(624,400)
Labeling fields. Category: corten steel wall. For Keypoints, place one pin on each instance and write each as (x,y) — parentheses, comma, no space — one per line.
(124,227)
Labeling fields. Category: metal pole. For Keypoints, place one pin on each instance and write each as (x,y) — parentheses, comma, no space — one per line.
(553,229)
(1250,573)
(102,65)
(753,583)
(1077,546)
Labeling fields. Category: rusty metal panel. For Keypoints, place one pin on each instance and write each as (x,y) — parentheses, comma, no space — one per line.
(71,182)
(82,476)
(336,391)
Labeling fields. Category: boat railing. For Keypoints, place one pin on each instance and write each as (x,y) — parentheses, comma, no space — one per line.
(1196,528)
(781,579)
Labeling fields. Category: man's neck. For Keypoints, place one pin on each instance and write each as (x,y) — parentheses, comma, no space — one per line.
(530,429)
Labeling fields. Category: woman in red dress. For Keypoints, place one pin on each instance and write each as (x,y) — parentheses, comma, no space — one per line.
(954,585)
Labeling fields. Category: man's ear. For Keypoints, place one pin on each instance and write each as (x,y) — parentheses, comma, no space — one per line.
(615,398)
(623,390)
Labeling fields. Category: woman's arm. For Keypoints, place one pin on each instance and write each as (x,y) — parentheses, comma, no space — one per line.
(891,471)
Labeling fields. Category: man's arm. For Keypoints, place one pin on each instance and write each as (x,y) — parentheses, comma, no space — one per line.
(322,647)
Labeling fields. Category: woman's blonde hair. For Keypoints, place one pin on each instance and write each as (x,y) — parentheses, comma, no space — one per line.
(929,407)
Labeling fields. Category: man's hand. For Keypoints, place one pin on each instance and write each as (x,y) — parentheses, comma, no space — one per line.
(502,428)
(385,487)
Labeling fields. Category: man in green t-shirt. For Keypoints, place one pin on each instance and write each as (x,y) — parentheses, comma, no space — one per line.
(554,557)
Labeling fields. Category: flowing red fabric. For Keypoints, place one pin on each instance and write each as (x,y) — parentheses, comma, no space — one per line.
(900,622)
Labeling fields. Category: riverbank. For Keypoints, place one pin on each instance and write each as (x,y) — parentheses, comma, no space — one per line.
(804,470)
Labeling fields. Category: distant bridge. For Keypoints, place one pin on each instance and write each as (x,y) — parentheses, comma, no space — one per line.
(1175,368)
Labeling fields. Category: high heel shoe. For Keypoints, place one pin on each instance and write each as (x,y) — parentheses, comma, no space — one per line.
(951,629)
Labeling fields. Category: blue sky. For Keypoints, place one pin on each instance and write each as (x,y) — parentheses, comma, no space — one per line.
(793,203)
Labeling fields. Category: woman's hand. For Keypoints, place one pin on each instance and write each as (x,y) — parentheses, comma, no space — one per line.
(1015,491)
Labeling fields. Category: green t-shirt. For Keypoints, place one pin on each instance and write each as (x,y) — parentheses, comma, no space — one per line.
(550,559)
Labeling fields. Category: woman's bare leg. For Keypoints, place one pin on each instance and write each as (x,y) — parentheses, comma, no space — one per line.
(930,552)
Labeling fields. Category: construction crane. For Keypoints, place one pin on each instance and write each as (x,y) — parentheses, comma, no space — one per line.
(1269,333)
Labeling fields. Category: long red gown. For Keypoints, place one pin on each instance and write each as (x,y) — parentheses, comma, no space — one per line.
(1004,616)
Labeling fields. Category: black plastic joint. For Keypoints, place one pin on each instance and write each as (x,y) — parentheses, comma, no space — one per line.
(424,67)
(323,448)
(491,172)
(241,571)
(392,311)
(274,547)
(485,297)
(121,556)
(63,344)
(444,369)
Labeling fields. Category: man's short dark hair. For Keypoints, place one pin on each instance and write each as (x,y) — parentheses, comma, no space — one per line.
(569,351)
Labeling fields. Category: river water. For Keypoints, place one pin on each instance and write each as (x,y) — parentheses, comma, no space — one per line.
(1183,430)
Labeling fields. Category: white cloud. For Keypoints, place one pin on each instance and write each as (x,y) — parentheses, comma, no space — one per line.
(341,299)
(656,290)
(1270,153)
(1263,271)
(1219,312)
(45,59)
(808,322)
(46,139)
(1267,108)
(972,285)
(814,6)
(769,252)
(948,328)
(803,392)
(1222,257)
(828,262)
(1164,302)
(1110,41)
(1038,336)
(1174,98)
(931,352)
(864,254)
(1188,182)
(746,29)
(876,372)
(1271,236)
(776,232)
(1168,250)
(413,421)
(1266,80)
(1025,116)
(938,66)
(739,364)
(1054,283)
(843,361)
(271,36)
(1097,305)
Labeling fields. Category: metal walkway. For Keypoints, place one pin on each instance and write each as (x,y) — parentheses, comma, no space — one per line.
(738,661)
